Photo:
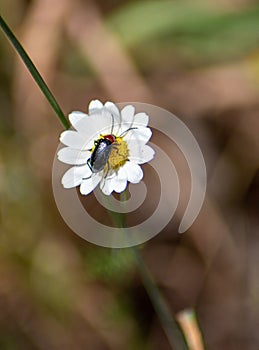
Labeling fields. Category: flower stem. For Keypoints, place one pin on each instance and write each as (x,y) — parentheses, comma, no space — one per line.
(34,72)
(170,326)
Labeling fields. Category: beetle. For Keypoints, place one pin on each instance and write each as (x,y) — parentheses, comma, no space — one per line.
(101,153)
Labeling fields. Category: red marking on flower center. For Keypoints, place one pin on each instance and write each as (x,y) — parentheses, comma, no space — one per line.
(111,138)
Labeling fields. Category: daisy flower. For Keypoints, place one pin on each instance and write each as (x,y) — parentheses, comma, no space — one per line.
(106,147)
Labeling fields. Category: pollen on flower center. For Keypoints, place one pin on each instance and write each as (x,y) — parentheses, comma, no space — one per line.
(119,154)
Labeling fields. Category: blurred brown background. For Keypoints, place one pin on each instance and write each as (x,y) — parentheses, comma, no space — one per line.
(200,60)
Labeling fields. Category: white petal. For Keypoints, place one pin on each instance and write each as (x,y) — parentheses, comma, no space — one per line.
(73,139)
(142,154)
(140,119)
(104,121)
(133,143)
(134,172)
(74,176)
(140,134)
(89,185)
(87,128)
(118,185)
(115,182)
(127,115)
(106,187)
(95,106)
(112,108)
(96,124)
(75,116)
(122,174)
(72,156)
(115,116)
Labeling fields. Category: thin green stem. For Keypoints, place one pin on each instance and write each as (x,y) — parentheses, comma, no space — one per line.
(34,72)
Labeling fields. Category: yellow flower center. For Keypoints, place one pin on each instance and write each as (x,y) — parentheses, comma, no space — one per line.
(119,154)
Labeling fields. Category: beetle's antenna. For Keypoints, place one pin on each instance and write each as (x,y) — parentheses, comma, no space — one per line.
(120,121)
(125,132)
(112,123)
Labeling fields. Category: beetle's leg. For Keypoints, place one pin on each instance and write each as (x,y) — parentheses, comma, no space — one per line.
(107,171)
(114,147)
(90,167)
(117,149)
(106,174)
(88,163)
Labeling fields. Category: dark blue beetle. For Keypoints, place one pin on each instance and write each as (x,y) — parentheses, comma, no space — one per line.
(102,150)
(101,153)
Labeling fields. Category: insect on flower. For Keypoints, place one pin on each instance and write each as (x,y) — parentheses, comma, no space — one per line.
(101,153)
(102,150)
(106,148)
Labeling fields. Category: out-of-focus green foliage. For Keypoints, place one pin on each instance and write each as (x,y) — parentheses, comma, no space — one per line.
(110,266)
(187,29)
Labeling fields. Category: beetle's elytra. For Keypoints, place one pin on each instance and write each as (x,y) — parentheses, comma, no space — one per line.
(101,153)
